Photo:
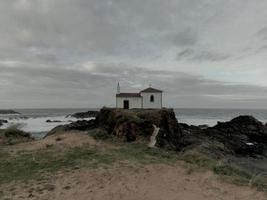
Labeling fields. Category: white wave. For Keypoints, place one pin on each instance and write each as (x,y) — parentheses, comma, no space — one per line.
(35,125)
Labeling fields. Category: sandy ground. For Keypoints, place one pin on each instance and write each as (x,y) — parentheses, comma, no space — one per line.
(146,182)
(153,182)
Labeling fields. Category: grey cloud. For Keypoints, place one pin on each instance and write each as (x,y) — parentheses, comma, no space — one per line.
(261,49)
(202,55)
(187,37)
(263,33)
(98,28)
(43,43)
(48,86)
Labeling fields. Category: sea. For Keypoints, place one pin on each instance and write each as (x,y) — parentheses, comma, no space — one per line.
(34,120)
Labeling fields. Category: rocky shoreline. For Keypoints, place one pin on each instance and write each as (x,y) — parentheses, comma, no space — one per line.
(242,137)
(83,115)
(234,148)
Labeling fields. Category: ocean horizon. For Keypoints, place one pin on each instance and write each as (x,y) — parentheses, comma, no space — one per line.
(34,120)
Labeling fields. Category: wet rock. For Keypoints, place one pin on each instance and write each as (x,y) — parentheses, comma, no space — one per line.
(53,121)
(88,114)
(2,122)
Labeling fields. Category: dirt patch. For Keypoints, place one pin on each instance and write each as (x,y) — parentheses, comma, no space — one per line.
(155,182)
(76,166)
(62,141)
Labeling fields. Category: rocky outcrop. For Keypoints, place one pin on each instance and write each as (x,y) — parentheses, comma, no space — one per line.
(2,122)
(81,125)
(88,114)
(131,125)
(134,124)
(244,136)
(53,121)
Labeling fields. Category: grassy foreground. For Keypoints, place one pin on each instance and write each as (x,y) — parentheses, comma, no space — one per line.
(28,165)
(40,165)
(227,171)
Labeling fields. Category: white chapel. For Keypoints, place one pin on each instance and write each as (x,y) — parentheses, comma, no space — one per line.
(149,98)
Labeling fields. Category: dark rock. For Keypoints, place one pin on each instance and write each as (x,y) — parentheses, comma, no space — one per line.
(53,121)
(2,122)
(87,114)
(244,136)
(82,125)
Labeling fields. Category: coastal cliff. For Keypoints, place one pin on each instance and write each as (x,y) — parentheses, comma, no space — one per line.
(132,125)
(243,136)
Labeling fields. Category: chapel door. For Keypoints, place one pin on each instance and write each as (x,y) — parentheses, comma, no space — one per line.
(126,104)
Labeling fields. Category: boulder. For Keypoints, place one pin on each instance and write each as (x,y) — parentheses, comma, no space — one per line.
(2,122)
(243,135)
(88,114)
(81,125)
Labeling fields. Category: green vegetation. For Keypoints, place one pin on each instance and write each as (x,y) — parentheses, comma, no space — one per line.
(24,166)
(198,159)
(99,134)
(40,165)
(259,181)
(141,153)
(228,172)
(233,174)
(231,170)
(13,135)
(29,165)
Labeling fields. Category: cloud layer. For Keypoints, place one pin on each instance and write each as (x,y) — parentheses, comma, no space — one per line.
(67,53)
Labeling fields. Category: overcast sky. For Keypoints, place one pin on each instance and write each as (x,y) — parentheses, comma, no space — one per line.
(72,53)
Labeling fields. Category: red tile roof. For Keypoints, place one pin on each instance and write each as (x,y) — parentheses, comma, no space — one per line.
(151,90)
(128,95)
